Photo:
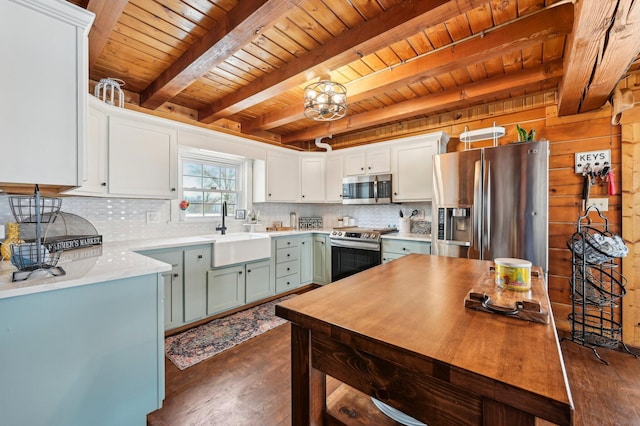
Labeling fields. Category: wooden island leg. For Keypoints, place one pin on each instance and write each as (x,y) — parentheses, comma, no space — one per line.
(308,385)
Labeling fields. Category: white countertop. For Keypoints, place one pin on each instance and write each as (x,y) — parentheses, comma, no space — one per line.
(118,260)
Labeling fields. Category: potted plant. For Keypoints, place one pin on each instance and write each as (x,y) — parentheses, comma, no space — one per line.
(523,136)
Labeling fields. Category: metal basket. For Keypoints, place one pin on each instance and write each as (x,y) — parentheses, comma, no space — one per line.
(26,209)
(32,256)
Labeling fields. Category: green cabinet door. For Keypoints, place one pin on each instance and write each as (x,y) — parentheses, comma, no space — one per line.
(259,281)
(306,260)
(197,261)
(321,265)
(225,288)
(173,286)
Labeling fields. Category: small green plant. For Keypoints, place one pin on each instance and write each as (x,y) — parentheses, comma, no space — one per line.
(523,136)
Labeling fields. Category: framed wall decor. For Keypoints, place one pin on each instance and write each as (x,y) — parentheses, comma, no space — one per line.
(241,214)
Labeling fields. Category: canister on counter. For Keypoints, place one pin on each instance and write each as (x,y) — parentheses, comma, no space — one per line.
(513,274)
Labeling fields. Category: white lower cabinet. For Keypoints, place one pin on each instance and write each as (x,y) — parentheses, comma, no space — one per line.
(395,248)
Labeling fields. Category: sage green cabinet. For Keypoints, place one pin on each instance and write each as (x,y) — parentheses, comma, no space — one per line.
(259,281)
(321,259)
(232,286)
(395,248)
(306,260)
(185,287)
(197,261)
(287,261)
(173,287)
(225,288)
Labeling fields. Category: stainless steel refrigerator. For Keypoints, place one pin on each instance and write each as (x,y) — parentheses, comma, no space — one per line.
(493,202)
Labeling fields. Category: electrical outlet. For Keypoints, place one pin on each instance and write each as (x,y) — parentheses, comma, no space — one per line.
(2,232)
(153,217)
(601,204)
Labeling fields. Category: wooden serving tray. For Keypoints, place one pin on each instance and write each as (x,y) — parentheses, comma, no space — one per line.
(529,305)
(279,228)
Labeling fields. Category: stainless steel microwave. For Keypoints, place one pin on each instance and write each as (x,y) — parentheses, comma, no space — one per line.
(370,189)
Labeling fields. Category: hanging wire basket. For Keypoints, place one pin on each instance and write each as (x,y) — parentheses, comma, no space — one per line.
(24,208)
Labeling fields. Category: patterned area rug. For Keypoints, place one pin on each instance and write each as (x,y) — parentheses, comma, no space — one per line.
(202,342)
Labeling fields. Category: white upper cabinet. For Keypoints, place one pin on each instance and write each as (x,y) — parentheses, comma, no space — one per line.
(278,178)
(333,179)
(367,161)
(44,92)
(95,153)
(143,158)
(312,178)
(412,167)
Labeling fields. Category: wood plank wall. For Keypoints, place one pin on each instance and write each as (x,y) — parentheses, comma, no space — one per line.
(631,220)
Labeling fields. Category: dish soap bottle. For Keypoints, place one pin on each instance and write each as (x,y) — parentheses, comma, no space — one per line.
(13,237)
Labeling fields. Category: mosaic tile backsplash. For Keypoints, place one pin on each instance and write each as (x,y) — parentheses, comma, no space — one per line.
(120,219)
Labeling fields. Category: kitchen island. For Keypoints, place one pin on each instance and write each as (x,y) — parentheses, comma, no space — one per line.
(400,333)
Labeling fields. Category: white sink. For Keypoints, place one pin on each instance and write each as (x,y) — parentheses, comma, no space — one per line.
(239,248)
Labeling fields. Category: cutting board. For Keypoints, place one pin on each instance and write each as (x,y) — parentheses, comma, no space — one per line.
(530,305)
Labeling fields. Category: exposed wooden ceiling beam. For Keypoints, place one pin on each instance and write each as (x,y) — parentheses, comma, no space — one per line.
(242,25)
(468,93)
(399,22)
(521,34)
(107,14)
(605,41)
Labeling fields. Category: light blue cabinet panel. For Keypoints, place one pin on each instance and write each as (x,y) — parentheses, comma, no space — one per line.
(86,355)
(225,288)
(321,260)
(306,260)
(173,286)
(395,248)
(197,261)
(288,282)
(259,281)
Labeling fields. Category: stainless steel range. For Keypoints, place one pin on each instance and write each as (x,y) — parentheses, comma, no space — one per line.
(354,250)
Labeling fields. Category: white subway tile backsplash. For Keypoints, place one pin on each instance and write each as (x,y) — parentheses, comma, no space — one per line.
(120,219)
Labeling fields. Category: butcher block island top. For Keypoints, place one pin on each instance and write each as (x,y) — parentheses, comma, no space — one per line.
(400,332)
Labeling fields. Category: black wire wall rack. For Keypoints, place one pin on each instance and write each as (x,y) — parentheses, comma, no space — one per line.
(597,286)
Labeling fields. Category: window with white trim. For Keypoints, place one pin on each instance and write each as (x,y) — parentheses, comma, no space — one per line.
(207,183)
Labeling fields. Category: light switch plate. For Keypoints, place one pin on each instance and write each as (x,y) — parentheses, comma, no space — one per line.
(2,235)
(601,204)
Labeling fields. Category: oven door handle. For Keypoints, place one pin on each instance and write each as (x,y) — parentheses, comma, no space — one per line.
(363,245)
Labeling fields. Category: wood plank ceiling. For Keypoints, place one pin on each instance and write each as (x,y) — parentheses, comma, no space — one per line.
(247,62)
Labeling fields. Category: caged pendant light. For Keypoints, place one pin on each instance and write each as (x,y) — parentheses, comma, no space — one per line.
(325,100)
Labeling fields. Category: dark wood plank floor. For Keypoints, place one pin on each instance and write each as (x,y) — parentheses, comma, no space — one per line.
(250,385)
